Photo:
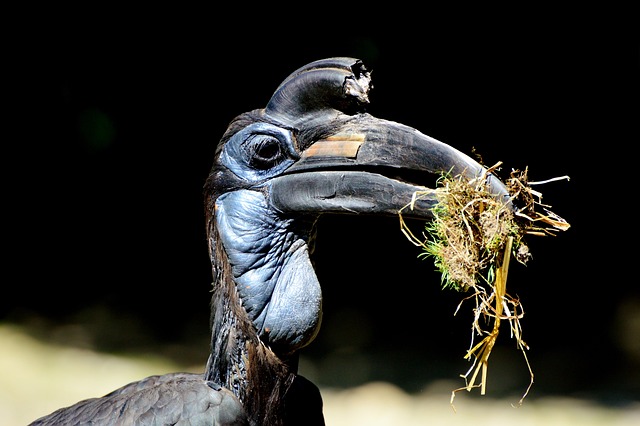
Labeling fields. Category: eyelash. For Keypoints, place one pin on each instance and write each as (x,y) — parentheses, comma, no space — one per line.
(265,152)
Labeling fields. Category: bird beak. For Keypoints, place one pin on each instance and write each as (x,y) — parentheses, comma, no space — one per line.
(373,166)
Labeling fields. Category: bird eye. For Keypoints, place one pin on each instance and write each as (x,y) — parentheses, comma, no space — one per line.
(265,152)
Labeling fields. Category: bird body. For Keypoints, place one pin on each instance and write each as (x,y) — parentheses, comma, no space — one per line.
(171,399)
(312,150)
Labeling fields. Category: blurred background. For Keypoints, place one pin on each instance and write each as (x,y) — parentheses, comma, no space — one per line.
(113,120)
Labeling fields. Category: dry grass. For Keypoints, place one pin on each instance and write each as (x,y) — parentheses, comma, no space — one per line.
(471,239)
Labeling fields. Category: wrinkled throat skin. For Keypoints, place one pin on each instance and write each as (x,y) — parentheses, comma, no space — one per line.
(271,266)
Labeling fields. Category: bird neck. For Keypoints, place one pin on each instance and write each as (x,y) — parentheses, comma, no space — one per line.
(239,360)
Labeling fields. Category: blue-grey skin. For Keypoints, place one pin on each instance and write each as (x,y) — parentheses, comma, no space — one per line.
(271,267)
(267,249)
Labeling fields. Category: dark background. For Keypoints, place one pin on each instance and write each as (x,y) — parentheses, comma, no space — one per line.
(114,117)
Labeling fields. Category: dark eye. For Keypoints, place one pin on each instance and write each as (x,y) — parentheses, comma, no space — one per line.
(265,152)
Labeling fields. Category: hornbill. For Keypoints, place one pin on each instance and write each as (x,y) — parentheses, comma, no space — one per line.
(312,150)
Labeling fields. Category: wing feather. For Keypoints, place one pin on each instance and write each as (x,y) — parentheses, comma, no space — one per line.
(171,399)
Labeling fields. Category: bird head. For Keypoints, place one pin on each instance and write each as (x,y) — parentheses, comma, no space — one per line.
(312,150)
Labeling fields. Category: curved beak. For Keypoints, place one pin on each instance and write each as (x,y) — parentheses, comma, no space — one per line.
(373,166)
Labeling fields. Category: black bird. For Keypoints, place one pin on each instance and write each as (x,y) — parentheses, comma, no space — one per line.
(312,150)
